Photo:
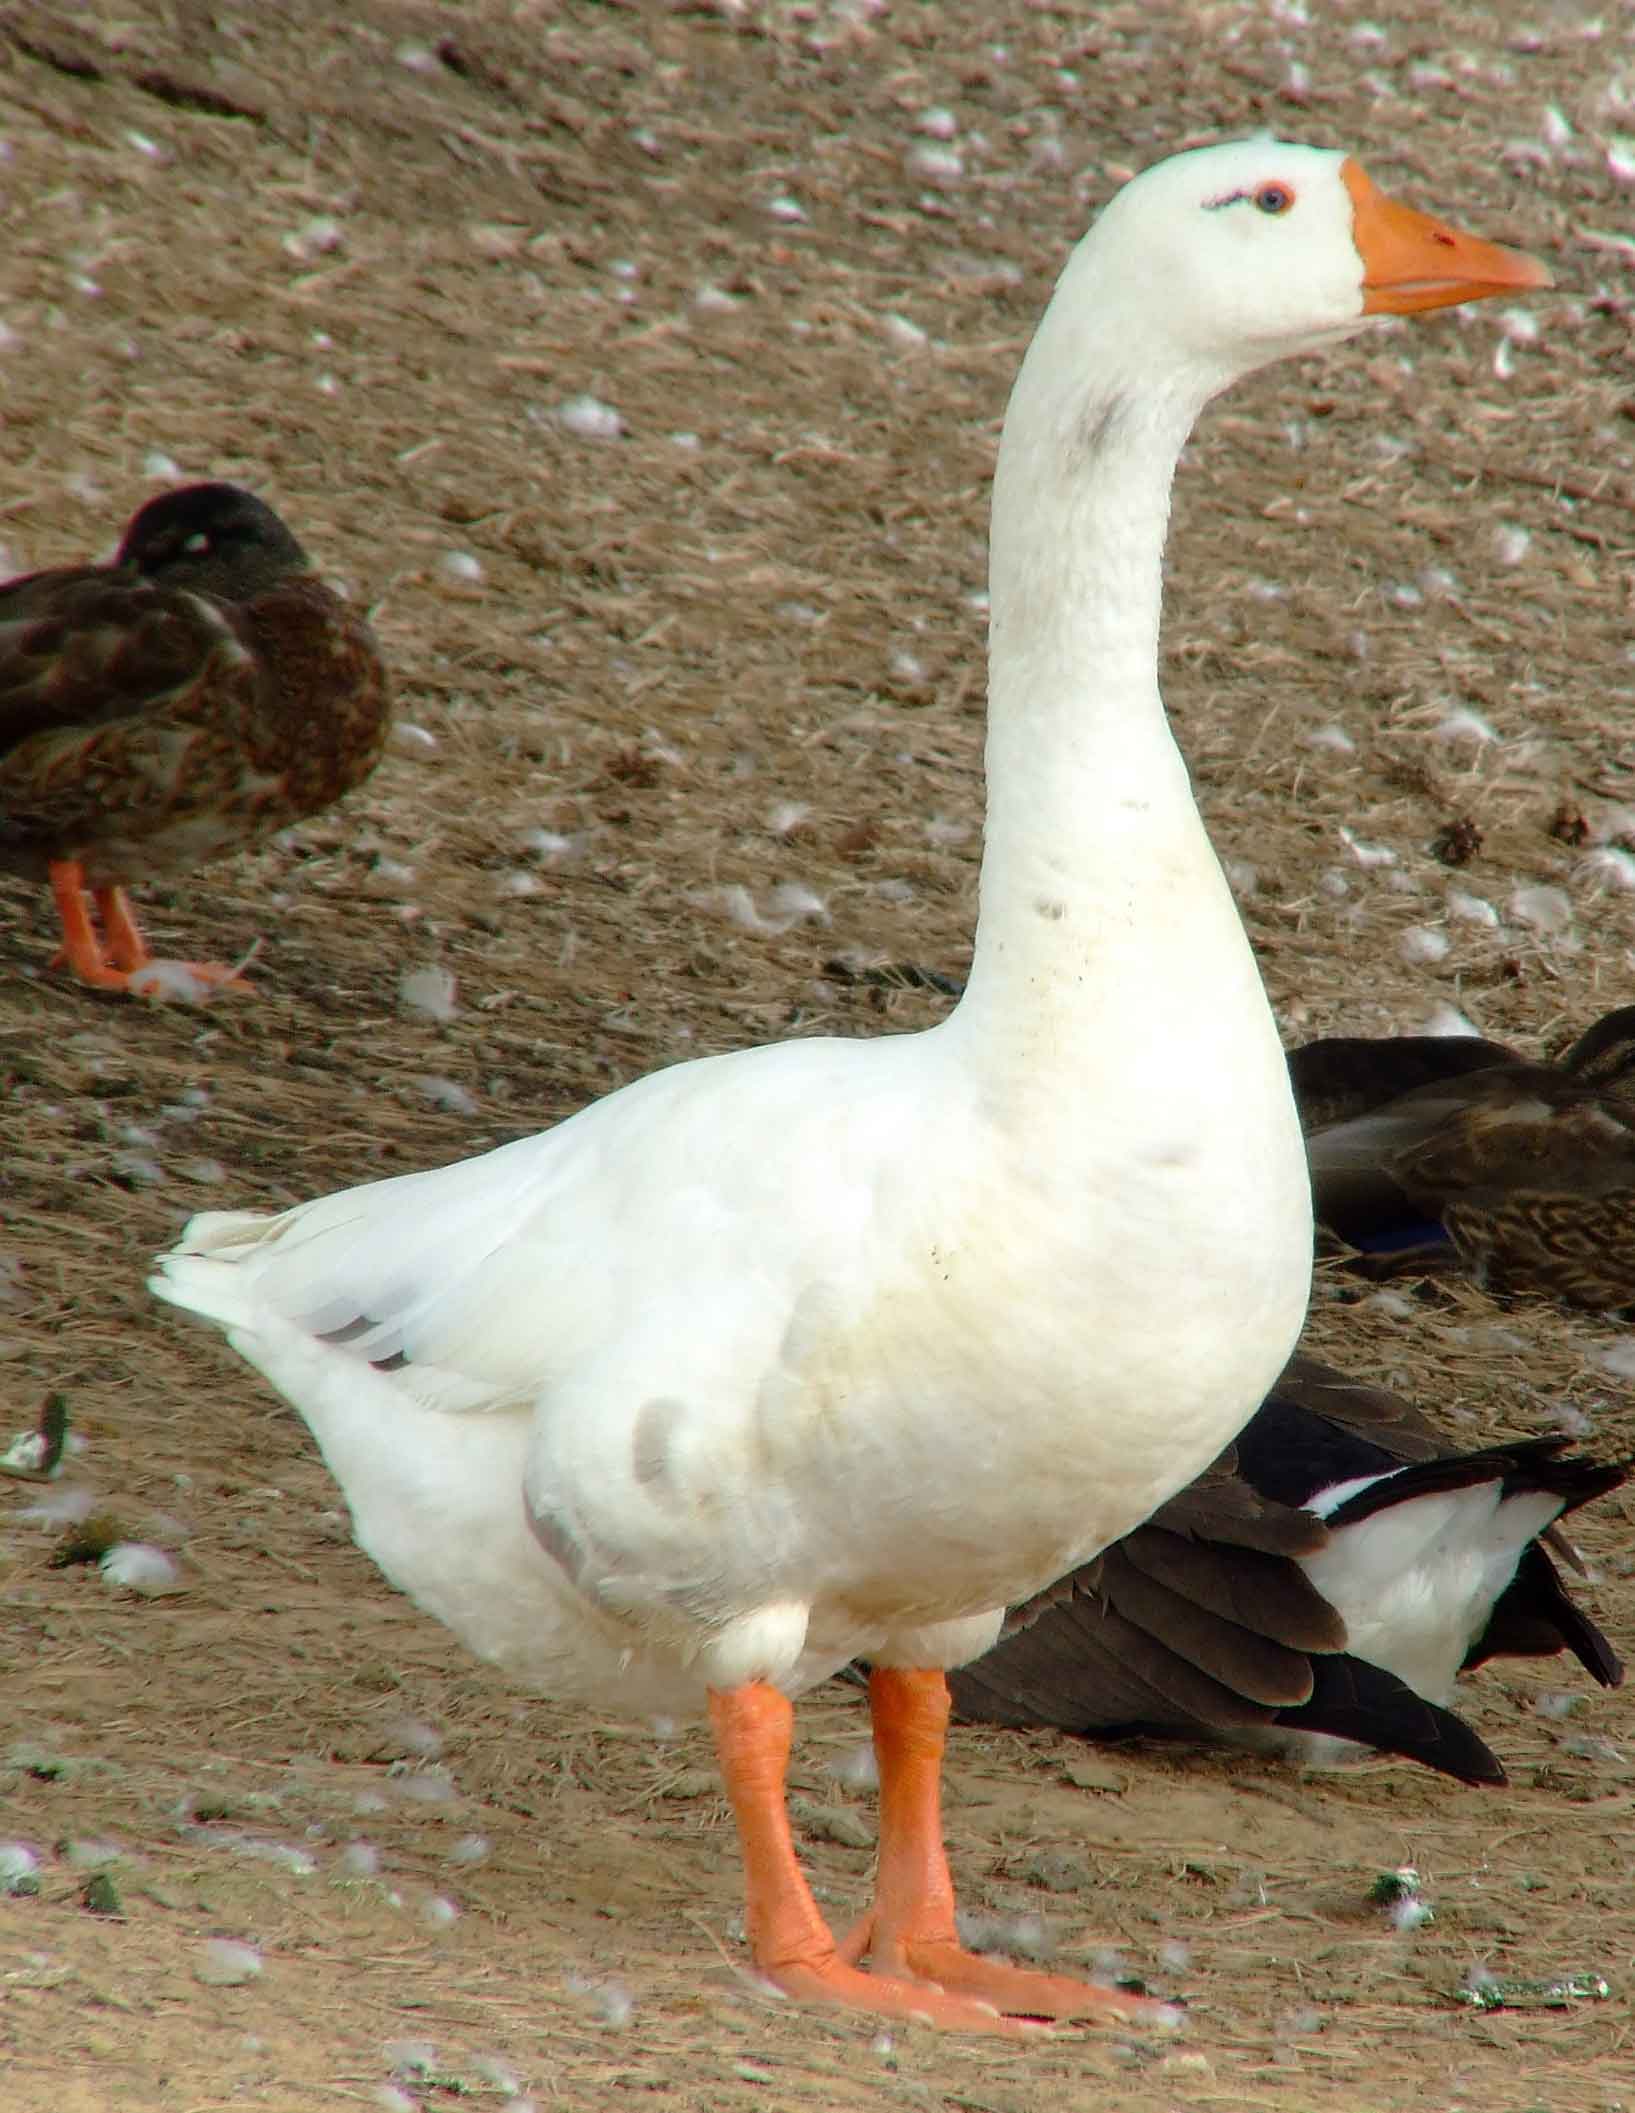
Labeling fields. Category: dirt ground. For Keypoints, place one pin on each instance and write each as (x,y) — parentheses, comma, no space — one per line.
(690,759)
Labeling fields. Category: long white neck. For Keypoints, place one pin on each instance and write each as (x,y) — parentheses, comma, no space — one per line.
(1099,885)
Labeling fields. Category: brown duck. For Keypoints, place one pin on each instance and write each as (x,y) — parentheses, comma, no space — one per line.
(199,693)
(1428,1152)
(1328,1577)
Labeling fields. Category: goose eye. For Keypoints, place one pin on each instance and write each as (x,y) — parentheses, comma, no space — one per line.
(196,545)
(1274,198)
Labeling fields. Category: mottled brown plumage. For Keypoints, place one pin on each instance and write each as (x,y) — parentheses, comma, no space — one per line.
(1204,1622)
(199,693)
(1523,1174)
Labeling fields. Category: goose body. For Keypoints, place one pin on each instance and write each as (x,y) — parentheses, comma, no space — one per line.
(1323,1584)
(1428,1152)
(200,692)
(779,1357)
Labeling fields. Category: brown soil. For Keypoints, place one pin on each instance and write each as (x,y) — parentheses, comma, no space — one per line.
(356,257)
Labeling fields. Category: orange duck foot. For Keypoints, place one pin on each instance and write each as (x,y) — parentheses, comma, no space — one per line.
(918,1969)
(110,962)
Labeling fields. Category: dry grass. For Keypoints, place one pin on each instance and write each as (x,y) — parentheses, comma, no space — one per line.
(753,663)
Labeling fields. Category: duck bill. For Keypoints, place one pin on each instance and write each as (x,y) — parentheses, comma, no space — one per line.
(1412,262)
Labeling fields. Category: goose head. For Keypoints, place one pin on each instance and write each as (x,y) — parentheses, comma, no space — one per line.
(1216,261)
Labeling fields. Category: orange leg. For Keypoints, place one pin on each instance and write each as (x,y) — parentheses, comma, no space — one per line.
(910,1931)
(789,1939)
(109,962)
(81,948)
(127,949)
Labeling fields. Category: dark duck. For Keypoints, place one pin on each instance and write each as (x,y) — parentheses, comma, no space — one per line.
(192,697)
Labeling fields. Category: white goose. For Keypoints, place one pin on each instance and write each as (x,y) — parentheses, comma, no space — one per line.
(835,1348)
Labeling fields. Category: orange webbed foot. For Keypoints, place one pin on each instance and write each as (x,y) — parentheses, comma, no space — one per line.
(118,958)
(1019,1992)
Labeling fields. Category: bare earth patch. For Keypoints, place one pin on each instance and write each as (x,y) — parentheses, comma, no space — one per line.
(697,681)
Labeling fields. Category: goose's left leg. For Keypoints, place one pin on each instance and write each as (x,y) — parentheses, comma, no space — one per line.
(909,1933)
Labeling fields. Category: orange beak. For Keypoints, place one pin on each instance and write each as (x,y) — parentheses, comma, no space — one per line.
(1412,262)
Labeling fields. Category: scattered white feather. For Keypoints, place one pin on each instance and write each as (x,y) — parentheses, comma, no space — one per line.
(425,1786)
(1557,1706)
(417,58)
(405,1736)
(65,1505)
(462,567)
(90,1853)
(904,332)
(783,207)
(224,1962)
(165,469)
(171,982)
(1621,158)
(300,1863)
(1241,877)
(1554,127)
(857,1768)
(1619,1360)
(1367,854)
(1448,1022)
(1463,724)
(588,418)
(407,739)
(19,1869)
(1472,909)
(360,1860)
(938,123)
(1520,325)
(1504,360)
(1609,868)
(715,300)
(209,1172)
(611,2001)
(498,2074)
(1511,543)
(1421,945)
(788,904)
(140,1567)
(431,990)
(1588,1746)
(553,844)
(518,885)
(1331,737)
(927,163)
(787,816)
(1569,1419)
(1175,1957)
(471,1849)
(447,1094)
(1018,1936)
(27,1454)
(1545,908)
(441,1912)
(320,236)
